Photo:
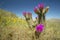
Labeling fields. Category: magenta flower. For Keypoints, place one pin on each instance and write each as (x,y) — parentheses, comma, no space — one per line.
(39,28)
(40,6)
(36,10)
(27,14)
(24,13)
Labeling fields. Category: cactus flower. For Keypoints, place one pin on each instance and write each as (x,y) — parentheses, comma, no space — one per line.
(40,6)
(39,28)
(36,10)
(24,13)
(27,14)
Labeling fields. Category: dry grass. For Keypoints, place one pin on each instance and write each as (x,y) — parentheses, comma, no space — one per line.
(22,32)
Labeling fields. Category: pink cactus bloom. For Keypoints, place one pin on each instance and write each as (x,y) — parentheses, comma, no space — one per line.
(39,28)
(36,10)
(40,6)
(28,13)
(24,13)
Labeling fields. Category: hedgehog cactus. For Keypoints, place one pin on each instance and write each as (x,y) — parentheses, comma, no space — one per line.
(28,17)
(40,11)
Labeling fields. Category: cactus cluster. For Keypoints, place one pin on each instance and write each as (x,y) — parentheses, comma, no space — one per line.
(39,23)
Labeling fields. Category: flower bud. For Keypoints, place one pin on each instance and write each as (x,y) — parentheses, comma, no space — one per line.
(24,13)
(36,10)
(40,6)
(47,8)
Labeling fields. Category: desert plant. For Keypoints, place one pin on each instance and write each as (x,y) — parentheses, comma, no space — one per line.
(40,11)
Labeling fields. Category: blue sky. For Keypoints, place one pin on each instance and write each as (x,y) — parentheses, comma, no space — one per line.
(18,6)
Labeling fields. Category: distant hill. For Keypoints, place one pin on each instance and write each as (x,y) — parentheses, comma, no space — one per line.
(9,18)
(54,20)
(6,13)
